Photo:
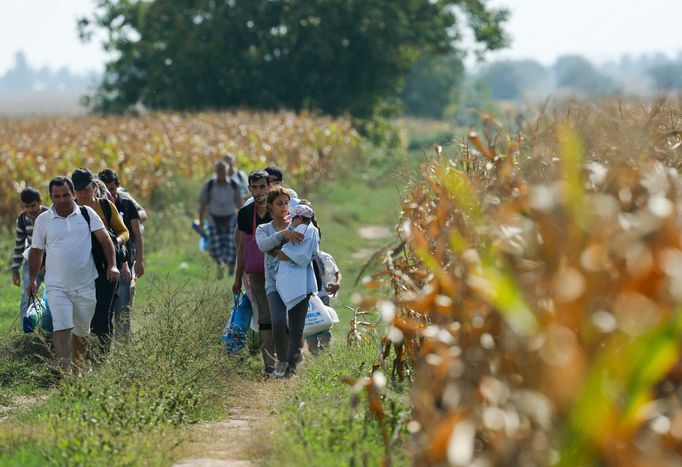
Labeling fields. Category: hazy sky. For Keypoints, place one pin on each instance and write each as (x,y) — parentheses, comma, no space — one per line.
(541,29)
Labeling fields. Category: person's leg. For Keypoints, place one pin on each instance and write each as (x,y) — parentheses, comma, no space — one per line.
(278,312)
(84,304)
(101,324)
(122,308)
(213,240)
(264,320)
(23,305)
(63,347)
(296,323)
(61,309)
(231,253)
(324,340)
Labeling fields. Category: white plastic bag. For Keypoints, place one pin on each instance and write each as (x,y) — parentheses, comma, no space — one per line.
(319,317)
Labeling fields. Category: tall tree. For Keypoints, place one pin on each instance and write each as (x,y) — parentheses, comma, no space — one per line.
(337,56)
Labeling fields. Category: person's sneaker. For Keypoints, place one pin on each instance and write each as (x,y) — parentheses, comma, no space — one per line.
(269,372)
(291,372)
(280,369)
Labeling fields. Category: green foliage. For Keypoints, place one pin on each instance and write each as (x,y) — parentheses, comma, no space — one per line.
(431,85)
(335,56)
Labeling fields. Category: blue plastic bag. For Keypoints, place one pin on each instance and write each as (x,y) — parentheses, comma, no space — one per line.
(234,332)
(203,239)
(34,313)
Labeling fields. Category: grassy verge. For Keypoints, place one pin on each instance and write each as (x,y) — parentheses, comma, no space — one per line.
(133,407)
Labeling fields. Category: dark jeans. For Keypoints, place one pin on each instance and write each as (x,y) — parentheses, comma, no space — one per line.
(296,324)
(102,323)
(288,347)
(278,312)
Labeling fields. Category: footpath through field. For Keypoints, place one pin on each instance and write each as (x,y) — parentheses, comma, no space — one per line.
(349,215)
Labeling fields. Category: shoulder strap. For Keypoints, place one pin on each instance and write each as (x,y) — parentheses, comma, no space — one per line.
(85,214)
(106,210)
(209,187)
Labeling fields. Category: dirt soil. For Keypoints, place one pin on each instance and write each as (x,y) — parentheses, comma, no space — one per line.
(241,439)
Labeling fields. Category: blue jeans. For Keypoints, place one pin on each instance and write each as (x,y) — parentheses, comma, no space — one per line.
(23,306)
(122,308)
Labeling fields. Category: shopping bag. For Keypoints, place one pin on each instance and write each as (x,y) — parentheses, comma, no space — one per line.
(34,313)
(234,332)
(319,317)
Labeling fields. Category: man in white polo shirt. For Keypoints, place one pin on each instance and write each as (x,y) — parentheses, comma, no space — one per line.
(62,232)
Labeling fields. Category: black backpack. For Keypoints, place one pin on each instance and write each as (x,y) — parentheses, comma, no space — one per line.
(97,252)
(235,185)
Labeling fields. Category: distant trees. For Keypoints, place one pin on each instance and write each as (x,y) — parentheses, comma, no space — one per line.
(338,56)
(432,85)
(22,77)
(666,76)
(576,73)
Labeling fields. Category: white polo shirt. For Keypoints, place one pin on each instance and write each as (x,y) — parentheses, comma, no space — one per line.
(67,243)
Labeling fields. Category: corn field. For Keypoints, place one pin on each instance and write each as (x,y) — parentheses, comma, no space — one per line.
(537,293)
(148,151)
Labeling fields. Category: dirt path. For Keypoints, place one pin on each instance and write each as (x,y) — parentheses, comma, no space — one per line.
(240,439)
(20,404)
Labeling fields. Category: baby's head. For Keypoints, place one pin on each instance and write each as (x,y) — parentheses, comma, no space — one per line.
(301,214)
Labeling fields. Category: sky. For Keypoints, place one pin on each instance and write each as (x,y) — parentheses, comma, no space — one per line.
(601,30)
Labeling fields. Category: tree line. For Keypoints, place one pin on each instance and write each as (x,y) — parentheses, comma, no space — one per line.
(334,56)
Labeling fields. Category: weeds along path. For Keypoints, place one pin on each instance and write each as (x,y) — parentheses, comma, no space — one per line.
(241,438)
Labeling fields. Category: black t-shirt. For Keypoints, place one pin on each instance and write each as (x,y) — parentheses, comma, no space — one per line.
(245,218)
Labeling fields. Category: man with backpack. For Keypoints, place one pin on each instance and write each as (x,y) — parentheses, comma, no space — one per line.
(130,212)
(219,201)
(65,233)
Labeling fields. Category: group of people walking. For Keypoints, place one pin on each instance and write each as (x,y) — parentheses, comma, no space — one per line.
(88,250)
(275,255)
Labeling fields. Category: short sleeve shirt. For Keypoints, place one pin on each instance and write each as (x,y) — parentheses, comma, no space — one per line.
(222,197)
(245,219)
(68,246)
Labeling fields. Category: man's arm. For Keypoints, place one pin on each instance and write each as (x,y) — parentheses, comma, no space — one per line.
(108,247)
(18,258)
(239,272)
(35,260)
(202,215)
(139,247)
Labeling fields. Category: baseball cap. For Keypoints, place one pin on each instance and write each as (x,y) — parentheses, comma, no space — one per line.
(301,210)
(82,179)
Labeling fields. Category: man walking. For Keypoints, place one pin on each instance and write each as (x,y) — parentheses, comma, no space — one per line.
(135,247)
(218,203)
(64,234)
(250,260)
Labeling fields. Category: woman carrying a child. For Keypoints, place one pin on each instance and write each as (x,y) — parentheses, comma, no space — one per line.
(289,275)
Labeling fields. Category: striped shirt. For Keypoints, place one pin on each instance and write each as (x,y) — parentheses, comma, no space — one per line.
(24,232)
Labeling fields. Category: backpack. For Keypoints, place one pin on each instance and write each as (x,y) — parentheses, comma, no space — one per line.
(98,255)
(211,182)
